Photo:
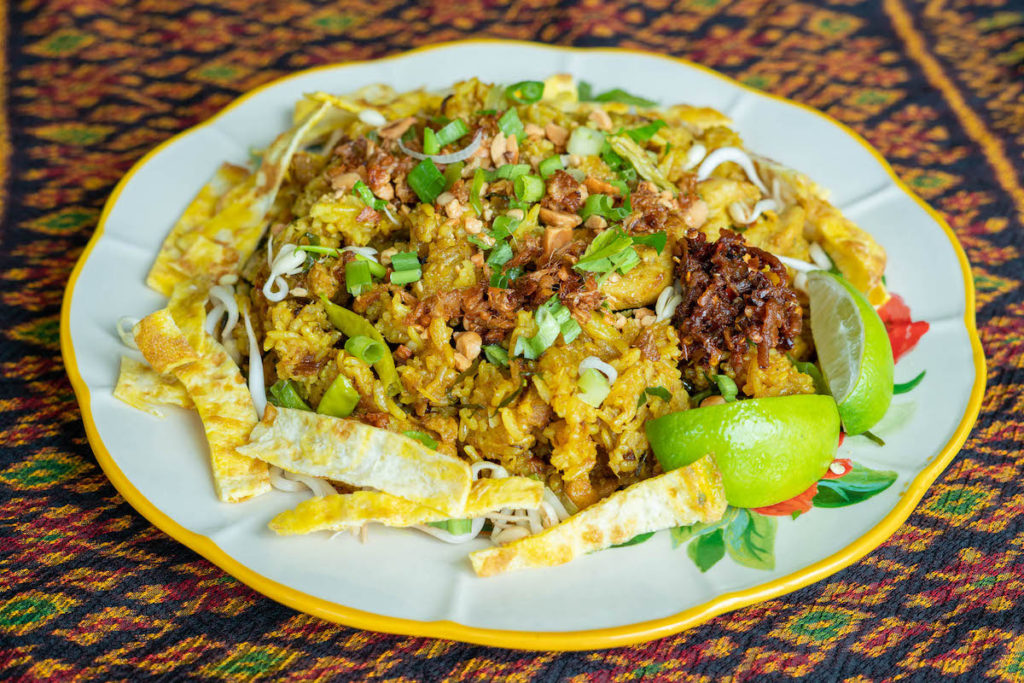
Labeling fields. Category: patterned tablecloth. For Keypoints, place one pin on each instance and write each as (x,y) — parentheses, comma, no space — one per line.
(90,590)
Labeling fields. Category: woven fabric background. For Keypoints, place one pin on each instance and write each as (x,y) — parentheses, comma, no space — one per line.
(89,590)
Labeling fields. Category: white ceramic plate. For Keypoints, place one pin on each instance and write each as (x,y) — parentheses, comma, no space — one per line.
(405,582)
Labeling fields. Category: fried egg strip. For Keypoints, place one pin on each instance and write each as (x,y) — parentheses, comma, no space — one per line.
(352,510)
(678,498)
(215,385)
(142,387)
(214,237)
(360,455)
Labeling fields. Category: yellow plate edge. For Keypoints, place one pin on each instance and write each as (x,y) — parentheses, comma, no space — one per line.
(552,640)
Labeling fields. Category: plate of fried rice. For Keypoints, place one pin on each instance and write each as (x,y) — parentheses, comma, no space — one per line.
(519,345)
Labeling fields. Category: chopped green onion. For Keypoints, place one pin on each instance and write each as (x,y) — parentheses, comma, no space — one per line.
(503,227)
(496,355)
(361,191)
(727,387)
(422,437)
(352,324)
(525,92)
(426,181)
(452,173)
(430,145)
(552,319)
(317,249)
(586,94)
(646,132)
(404,277)
(509,124)
(500,255)
(594,387)
(585,142)
(548,167)
(456,527)
(405,260)
(368,350)
(357,277)
(656,240)
(908,386)
(376,269)
(479,176)
(508,172)
(340,399)
(601,205)
(485,112)
(452,132)
(529,188)
(284,394)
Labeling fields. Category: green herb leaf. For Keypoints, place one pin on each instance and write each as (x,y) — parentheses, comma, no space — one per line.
(500,255)
(646,132)
(422,437)
(496,355)
(600,254)
(682,534)
(660,392)
(656,240)
(859,484)
(908,386)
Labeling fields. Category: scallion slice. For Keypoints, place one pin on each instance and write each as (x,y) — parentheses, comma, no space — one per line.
(529,188)
(598,257)
(509,124)
(585,142)
(405,260)
(452,173)
(456,527)
(508,172)
(376,269)
(594,387)
(552,319)
(451,132)
(426,181)
(357,277)
(368,350)
(479,176)
(525,92)
(727,387)
(361,191)
(430,145)
(548,167)
(404,277)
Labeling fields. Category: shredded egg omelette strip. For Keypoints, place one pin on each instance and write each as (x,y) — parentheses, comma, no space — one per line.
(352,510)
(677,498)
(360,455)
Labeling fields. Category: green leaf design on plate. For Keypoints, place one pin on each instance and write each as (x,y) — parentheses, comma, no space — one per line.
(750,540)
(706,550)
(860,484)
(636,540)
(682,534)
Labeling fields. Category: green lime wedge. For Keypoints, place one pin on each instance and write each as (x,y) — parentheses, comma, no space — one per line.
(768,449)
(853,349)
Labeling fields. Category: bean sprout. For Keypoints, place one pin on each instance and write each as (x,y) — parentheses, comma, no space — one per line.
(819,257)
(475,528)
(372,117)
(694,156)
(256,383)
(738,211)
(735,155)
(288,261)
(282,483)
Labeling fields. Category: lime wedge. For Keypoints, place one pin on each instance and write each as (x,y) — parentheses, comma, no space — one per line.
(853,349)
(768,449)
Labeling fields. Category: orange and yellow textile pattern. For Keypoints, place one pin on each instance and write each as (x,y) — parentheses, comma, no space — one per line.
(90,590)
